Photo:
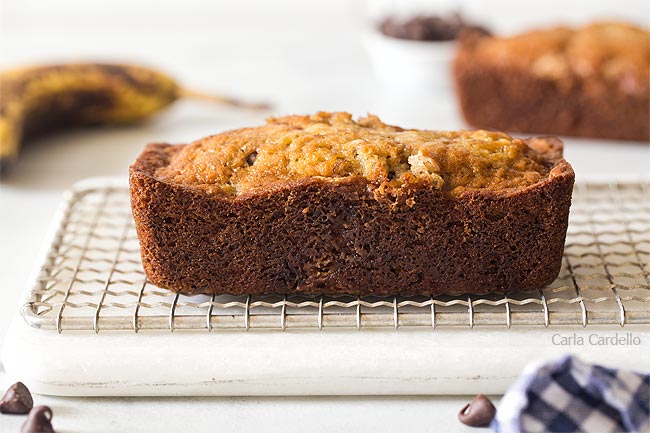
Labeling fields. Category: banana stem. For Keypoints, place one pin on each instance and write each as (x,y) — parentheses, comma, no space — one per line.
(193,94)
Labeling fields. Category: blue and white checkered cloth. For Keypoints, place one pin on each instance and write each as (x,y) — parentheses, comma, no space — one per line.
(569,395)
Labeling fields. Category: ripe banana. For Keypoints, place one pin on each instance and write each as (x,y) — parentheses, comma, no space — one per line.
(39,99)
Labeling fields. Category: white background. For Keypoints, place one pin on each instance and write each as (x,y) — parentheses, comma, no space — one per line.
(301,55)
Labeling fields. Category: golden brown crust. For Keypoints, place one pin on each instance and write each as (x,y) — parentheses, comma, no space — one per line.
(333,146)
(615,52)
(319,235)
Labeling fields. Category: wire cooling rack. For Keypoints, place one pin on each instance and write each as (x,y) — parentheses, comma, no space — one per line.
(92,279)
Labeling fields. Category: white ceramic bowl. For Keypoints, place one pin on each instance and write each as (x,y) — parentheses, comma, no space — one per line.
(409,64)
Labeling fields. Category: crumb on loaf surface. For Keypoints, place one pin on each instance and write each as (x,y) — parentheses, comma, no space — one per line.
(334,146)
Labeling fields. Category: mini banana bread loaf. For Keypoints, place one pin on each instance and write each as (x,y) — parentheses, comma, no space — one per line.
(592,81)
(325,204)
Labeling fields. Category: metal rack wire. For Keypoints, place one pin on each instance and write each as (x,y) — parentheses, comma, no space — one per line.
(92,279)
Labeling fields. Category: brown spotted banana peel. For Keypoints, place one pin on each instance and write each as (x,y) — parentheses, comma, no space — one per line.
(38,99)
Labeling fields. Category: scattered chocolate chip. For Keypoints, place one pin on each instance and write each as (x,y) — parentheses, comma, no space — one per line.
(250,159)
(478,413)
(39,421)
(17,400)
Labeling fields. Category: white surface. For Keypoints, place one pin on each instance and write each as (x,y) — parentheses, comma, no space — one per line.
(247,414)
(304,56)
(372,362)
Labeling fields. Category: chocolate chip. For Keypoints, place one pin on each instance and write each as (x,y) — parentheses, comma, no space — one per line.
(250,159)
(425,28)
(478,413)
(39,421)
(17,400)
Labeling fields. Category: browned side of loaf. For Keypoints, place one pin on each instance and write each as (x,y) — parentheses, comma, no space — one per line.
(510,99)
(317,237)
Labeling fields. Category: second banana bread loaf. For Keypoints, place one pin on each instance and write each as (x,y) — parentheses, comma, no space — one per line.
(591,82)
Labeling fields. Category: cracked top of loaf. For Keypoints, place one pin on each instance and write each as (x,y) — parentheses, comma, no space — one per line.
(601,52)
(333,146)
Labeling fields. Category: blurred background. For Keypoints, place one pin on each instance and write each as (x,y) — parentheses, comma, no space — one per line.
(302,56)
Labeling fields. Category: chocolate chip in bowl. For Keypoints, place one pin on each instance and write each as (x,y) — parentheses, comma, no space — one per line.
(427,28)
(416,52)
